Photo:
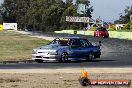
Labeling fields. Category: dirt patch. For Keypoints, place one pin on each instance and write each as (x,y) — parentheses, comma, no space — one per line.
(56,80)
(68,70)
(9,80)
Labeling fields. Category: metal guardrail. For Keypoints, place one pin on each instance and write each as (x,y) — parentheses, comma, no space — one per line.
(113,34)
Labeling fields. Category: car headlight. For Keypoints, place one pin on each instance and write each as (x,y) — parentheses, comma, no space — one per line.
(34,52)
(53,52)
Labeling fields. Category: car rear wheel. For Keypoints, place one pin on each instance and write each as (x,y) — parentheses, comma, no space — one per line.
(39,61)
(106,36)
(91,57)
(64,57)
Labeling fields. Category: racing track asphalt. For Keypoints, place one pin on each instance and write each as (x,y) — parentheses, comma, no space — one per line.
(115,53)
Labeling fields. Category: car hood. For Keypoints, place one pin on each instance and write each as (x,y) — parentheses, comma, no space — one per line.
(50,47)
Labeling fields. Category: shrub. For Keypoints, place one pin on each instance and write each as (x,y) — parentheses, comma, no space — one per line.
(92,28)
(127,26)
(112,28)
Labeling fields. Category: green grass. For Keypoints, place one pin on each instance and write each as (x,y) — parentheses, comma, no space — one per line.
(15,46)
(124,30)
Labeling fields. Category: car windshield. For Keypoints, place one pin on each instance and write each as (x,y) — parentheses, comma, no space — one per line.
(63,42)
(101,29)
(60,42)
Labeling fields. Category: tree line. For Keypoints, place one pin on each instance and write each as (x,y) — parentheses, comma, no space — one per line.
(43,15)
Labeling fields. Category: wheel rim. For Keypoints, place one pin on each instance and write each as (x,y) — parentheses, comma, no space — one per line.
(64,57)
(91,56)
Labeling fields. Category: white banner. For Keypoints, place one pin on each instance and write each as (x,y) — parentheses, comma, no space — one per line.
(8,26)
(77,19)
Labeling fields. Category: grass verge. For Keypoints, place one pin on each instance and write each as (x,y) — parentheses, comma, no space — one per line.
(15,46)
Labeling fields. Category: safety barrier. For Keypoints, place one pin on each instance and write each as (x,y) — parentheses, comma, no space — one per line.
(112,34)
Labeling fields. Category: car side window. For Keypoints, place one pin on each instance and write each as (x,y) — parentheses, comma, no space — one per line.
(85,43)
(97,29)
(75,43)
(89,43)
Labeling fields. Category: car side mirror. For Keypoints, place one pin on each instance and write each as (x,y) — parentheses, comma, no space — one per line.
(100,43)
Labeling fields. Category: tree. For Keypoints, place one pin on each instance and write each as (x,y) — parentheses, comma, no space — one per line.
(70,11)
(1,19)
(125,18)
(89,10)
(41,15)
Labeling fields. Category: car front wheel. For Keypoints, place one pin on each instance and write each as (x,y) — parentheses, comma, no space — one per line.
(64,57)
(39,61)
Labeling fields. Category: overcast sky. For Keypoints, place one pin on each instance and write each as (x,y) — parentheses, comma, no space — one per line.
(108,10)
(1,1)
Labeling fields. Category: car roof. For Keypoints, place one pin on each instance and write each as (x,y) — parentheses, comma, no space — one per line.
(61,38)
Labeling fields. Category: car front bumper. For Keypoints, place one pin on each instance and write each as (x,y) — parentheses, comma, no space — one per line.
(101,34)
(45,57)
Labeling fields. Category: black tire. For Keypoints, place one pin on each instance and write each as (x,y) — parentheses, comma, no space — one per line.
(97,56)
(39,61)
(95,36)
(106,37)
(84,81)
(64,57)
(90,57)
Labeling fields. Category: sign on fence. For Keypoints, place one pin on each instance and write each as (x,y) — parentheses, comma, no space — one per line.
(77,19)
(8,26)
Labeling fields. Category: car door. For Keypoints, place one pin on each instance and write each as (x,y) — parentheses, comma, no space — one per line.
(76,49)
(86,47)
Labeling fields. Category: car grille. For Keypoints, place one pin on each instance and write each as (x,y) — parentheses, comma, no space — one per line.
(40,52)
(38,57)
(42,57)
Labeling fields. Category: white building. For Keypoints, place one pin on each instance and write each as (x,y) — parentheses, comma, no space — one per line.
(119,26)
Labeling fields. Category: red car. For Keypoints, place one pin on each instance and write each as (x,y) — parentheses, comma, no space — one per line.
(101,32)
